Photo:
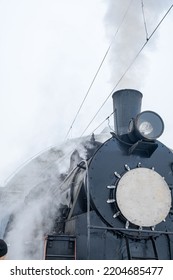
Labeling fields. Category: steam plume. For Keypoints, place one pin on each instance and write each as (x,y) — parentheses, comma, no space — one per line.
(135,21)
(29,203)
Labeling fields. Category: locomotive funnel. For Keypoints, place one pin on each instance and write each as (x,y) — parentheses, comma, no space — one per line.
(126,105)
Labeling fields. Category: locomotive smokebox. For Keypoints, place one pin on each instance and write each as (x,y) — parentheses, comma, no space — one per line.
(126,105)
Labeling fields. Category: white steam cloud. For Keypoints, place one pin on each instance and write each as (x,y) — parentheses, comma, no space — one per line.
(134,22)
(30,201)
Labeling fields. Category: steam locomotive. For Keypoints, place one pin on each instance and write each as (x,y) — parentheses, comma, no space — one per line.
(117,202)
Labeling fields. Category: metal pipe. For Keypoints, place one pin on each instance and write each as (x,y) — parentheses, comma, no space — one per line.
(126,105)
(133,230)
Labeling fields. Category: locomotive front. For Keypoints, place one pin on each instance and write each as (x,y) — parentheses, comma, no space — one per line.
(122,195)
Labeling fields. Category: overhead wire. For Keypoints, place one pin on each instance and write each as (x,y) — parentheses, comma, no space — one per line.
(61,159)
(98,70)
(107,119)
(127,69)
(144,19)
(120,80)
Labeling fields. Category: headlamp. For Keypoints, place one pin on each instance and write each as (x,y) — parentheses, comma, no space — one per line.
(147,125)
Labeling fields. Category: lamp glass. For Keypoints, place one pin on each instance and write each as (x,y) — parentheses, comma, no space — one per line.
(149,125)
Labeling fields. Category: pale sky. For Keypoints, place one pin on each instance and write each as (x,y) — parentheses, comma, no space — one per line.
(50,51)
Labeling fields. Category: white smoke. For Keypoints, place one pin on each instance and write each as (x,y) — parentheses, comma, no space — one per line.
(28,229)
(33,206)
(31,198)
(134,25)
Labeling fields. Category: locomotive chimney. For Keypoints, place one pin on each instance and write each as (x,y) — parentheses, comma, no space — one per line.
(126,105)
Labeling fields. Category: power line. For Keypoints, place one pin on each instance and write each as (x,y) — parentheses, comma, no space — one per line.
(143,14)
(127,69)
(98,70)
(107,119)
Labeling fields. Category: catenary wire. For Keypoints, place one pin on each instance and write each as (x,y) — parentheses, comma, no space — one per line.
(144,19)
(52,187)
(61,159)
(98,70)
(127,69)
(107,119)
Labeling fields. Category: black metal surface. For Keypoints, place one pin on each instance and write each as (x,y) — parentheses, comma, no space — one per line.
(108,237)
(98,234)
(60,247)
(126,105)
(105,237)
(111,157)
